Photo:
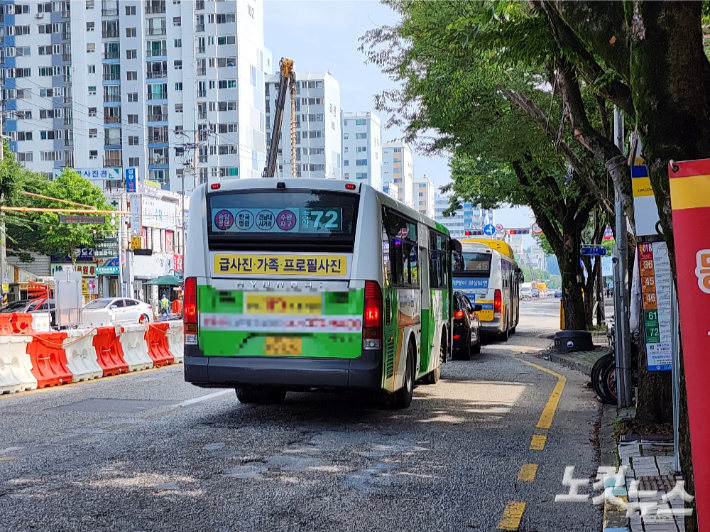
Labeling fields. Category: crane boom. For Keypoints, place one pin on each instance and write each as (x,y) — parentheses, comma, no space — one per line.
(287,77)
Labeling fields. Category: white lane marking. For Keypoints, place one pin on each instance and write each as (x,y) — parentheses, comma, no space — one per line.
(10,450)
(205,397)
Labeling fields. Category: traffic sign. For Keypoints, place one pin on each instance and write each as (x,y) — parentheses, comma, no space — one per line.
(536,229)
(593,251)
(499,228)
(608,233)
(489,230)
(130,180)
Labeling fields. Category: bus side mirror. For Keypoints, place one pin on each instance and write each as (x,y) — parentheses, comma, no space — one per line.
(477,308)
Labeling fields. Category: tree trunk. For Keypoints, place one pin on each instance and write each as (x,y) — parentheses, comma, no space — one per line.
(654,403)
(572,301)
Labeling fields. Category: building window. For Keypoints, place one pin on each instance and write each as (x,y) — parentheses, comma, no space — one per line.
(131,54)
(130,32)
(132,119)
(130,10)
(178,108)
(361,176)
(178,87)
(131,75)
(133,140)
(360,135)
(361,122)
(93,133)
(177,64)
(92,90)
(226,39)
(177,21)
(346,136)
(134,162)
(90,47)
(361,149)
(361,162)
(91,69)
(93,154)
(346,163)
(226,18)
(132,96)
(92,111)
(177,43)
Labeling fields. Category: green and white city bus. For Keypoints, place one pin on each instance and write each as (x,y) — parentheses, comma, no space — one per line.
(306,284)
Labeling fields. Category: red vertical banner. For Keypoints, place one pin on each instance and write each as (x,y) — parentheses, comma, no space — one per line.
(690,201)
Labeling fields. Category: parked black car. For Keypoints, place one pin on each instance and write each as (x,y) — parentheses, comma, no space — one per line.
(467,327)
(29,305)
(558,293)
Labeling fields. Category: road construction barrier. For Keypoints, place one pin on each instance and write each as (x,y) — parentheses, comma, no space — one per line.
(16,323)
(135,347)
(15,365)
(81,355)
(158,348)
(6,324)
(41,321)
(96,318)
(49,359)
(176,341)
(109,352)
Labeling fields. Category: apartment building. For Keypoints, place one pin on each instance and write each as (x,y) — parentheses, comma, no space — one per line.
(362,148)
(467,219)
(165,87)
(318,128)
(424,196)
(398,167)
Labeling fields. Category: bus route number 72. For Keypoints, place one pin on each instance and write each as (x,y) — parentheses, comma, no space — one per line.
(327,220)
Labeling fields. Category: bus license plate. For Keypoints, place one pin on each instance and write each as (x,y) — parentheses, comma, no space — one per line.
(282,345)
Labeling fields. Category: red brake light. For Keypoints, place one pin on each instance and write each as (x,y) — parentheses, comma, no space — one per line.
(215,186)
(372,316)
(458,314)
(457,336)
(350,186)
(497,303)
(189,313)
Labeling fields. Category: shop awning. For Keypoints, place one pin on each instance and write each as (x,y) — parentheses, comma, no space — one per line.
(165,280)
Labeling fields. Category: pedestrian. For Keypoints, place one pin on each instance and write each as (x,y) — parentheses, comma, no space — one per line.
(164,305)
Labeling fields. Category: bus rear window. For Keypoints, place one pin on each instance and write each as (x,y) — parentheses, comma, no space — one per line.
(274,219)
(472,263)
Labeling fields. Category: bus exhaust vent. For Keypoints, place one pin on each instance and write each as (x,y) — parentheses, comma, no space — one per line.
(389,357)
(388,311)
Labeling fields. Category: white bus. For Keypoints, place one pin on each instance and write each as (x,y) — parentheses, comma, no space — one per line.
(313,284)
(490,278)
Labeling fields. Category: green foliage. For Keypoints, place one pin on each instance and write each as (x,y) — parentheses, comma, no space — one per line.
(41,232)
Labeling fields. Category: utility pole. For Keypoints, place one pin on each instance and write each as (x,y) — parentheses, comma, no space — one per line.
(600,278)
(622,334)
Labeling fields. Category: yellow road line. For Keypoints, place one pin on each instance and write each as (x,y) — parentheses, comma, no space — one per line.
(512,515)
(548,413)
(48,388)
(538,442)
(527,473)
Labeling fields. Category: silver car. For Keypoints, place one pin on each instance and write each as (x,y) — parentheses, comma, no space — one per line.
(121,309)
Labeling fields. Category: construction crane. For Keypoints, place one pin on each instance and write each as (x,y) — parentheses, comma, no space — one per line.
(288,79)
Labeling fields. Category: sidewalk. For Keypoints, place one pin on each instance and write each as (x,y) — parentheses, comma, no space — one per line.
(649,469)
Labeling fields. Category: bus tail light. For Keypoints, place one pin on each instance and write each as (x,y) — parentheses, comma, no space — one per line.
(497,304)
(372,316)
(189,313)
(458,314)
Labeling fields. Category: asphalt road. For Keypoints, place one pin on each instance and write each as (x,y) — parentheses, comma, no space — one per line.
(149,452)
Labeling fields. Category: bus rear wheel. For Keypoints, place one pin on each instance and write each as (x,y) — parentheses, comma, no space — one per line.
(505,334)
(403,396)
(267,396)
(434,376)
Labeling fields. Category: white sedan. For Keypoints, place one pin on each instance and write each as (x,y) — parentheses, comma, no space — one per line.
(121,310)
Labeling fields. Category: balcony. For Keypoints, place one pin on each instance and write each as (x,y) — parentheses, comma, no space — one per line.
(199,27)
(66,14)
(66,78)
(66,35)
(200,49)
(158,118)
(67,99)
(202,94)
(162,52)
(155,31)
(155,7)
(111,55)
(202,116)
(109,34)
(202,159)
(69,142)
(112,98)
(68,121)
(158,74)
(157,96)
(113,142)
(157,139)
(202,71)
(111,162)
(112,119)
(109,12)
(199,5)
(112,76)
(158,160)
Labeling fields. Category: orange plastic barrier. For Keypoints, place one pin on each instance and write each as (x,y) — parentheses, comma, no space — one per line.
(109,352)
(158,347)
(16,323)
(49,360)
(177,306)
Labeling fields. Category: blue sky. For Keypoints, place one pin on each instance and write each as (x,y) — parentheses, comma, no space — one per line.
(323,36)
